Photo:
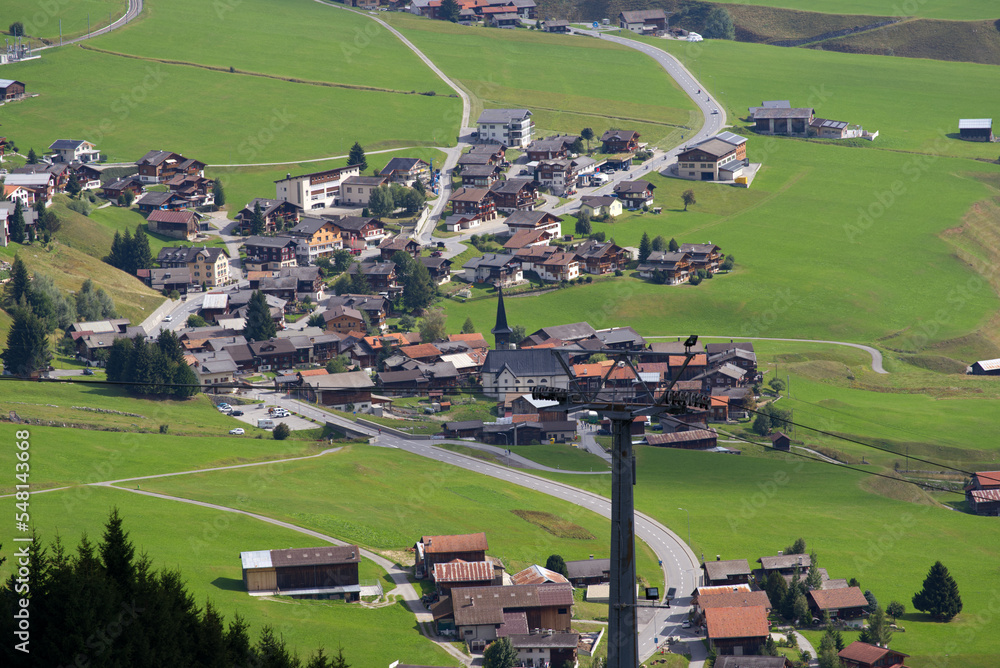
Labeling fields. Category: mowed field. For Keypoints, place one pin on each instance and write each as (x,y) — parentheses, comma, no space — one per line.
(564,80)
(205,545)
(41,19)
(747,507)
(938,9)
(216,117)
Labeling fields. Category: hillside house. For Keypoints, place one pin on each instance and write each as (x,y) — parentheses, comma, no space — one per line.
(161,166)
(558,267)
(88,176)
(317,190)
(601,205)
(708,597)
(407,171)
(207,266)
(620,141)
(431,550)
(545,649)
(847,605)
(791,122)
(589,571)
(166,280)
(213,369)
(550,148)
(737,631)
(326,572)
(720,158)
(343,319)
(863,655)
(391,245)
(495,269)
(74,150)
(731,572)
(115,189)
(359,233)
(526,9)
(675,267)
(174,224)
(561,26)
(511,127)
(490,153)
(270,253)
(477,202)
(193,189)
(644,21)
(515,195)
(357,190)
(982,494)
(153,201)
(374,306)
(601,257)
(277,213)
(534,220)
(703,256)
(40,186)
(526,238)
(481,176)
(459,573)
(976,129)
(635,194)
(438,267)
(317,238)
(11,89)
(826,128)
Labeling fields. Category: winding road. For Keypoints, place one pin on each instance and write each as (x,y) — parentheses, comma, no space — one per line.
(134,9)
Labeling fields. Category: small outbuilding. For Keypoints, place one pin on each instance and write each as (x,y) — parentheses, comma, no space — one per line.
(975,129)
(330,571)
(11,89)
(985,368)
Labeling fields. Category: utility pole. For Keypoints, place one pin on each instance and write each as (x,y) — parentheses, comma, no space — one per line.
(60,32)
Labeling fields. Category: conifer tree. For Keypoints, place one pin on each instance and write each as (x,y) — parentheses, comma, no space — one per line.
(16,227)
(645,247)
(357,157)
(939,596)
(257,222)
(259,325)
(142,256)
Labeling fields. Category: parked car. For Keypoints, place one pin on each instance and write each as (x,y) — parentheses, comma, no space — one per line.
(686,625)
(88,371)
(168,318)
(235,413)
(238,431)
(225,409)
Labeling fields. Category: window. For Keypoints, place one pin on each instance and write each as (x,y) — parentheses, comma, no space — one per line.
(561,611)
(468,632)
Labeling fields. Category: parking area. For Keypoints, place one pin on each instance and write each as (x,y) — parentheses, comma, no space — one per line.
(252,413)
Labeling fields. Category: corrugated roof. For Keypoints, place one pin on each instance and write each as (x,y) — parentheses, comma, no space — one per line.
(316,556)
(975,123)
(721,589)
(463,571)
(256,559)
(682,437)
(215,300)
(989,365)
(865,653)
(536,574)
(737,623)
(982,495)
(469,542)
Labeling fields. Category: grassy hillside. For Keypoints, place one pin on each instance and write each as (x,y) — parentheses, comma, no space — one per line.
(69,268)
(41,20)
(941,9)
(968,41)
(562,79)
(288,38)
(143,105)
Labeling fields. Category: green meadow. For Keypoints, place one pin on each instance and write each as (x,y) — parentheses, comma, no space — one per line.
(747,507)
(940,9)
(562,79)
(298,39)
(205,546)
(143,105)
(42,19)
(406,496)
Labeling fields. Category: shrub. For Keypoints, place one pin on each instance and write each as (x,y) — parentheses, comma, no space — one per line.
(695,279)
(164,428)
(281,432)
(81,206)
(619,272)
(590,279)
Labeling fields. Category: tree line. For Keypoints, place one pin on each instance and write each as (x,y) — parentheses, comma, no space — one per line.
(152,368)
(103,606)
(130,252)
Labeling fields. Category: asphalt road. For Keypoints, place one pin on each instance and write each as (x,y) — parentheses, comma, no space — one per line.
(134,8)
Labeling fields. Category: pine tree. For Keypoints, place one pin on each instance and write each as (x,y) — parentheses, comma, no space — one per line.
(260,326)
(16,228)
(272,651)
(118,360)
(117,553)
(673,246)
(878,631)
(210,639)
(645,247)
(776,587)
(814,580)
(828,652)
(128,260)
(142,256)
(419,289)
(800,609)
(556,563)
(142,367)
(219,192)
(170,345)
(257,222)
(357,157)
(185,381)
(27,343)
(116,256)
(468,327)
(939,596)
(239,651)
(32,157)
(19,285)
(659,243)
(73,186)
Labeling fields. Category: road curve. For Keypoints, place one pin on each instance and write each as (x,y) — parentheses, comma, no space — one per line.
(875,353)
(134,9)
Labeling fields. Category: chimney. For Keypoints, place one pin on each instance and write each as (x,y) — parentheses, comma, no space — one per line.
(591,556)
(780,553)
(718,557)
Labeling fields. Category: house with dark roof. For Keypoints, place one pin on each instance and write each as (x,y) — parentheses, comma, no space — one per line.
(557,26)
(644,21)
(670,267)
(601,205)
(278,214)
(342,319)
(152,201)
(792,122)
(731,572)
(326,572)
(515,194)
(213,369)
(161,166)
(431,550)
(545,649)
(407,171)
(174,224)
(389,246)
(496,269)
(115,189)
(511,127)
(720,158)
(74,150)
(982,494)
(847,605)
(357,190)
(351,390)
(598,257)
(635,194)
(358,233)
(270,253)
(520,371)
(207,266)
(317,238)
(863,655)
(480,176)
(460,573)
(585,572)
(534,220)
(470,208)
(737,631)
(620,141)
(556,146)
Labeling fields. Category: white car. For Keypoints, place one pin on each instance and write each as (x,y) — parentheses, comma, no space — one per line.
(281,413)
(715,111)
(168,318)
(686,625)
(237,432)
(225,409)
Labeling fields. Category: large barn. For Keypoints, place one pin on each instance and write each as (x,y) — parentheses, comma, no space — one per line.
(11,89)
(330,571)
(975,129)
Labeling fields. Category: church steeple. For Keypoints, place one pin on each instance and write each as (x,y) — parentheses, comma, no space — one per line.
(501,332)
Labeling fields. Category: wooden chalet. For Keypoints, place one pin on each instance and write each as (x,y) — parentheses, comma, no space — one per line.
(478,202)
(161,166)
(557,146)
(152,201)
(431,550)
(174,224)
(620,141)
(737,631)
(515,194)
(847,605)
(982,494)
(389,246)
(326,572)
(278,214)
(11,89)
(115,189)
(731,572)
(635,194)
(673,268)
(589,571)
(863,655)
(601,258)
(480,176)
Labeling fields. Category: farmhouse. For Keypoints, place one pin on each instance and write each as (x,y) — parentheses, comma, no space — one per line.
(731,572)
(589,571)
(493,268)
(793,122)
(431,550)
(847,605)
(11,89)
(357,190)
(407,171)
(703,256)
(557,26)
(511,127)
(983,493)
(635,194)
(780,441)
(351,390)
(326,572)
(35,187)
(620,141)
(601,205)
(785,564)
(975,129)
(737,631)
(862,655)
(316,190)
(115,189)
(460,573)
(161,166)
(152,201)
(674,267)
(74,150)
(277,213)
(644,21)
(720,158)
(214,368)
(174,224)
(601,258)
(540,221)
(557,146)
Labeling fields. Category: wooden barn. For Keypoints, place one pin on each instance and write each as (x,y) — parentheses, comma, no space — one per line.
(11,89)
(985,368)
(326,572)
(975,129)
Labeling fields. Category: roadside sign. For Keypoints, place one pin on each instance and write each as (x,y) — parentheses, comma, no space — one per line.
(596,24)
